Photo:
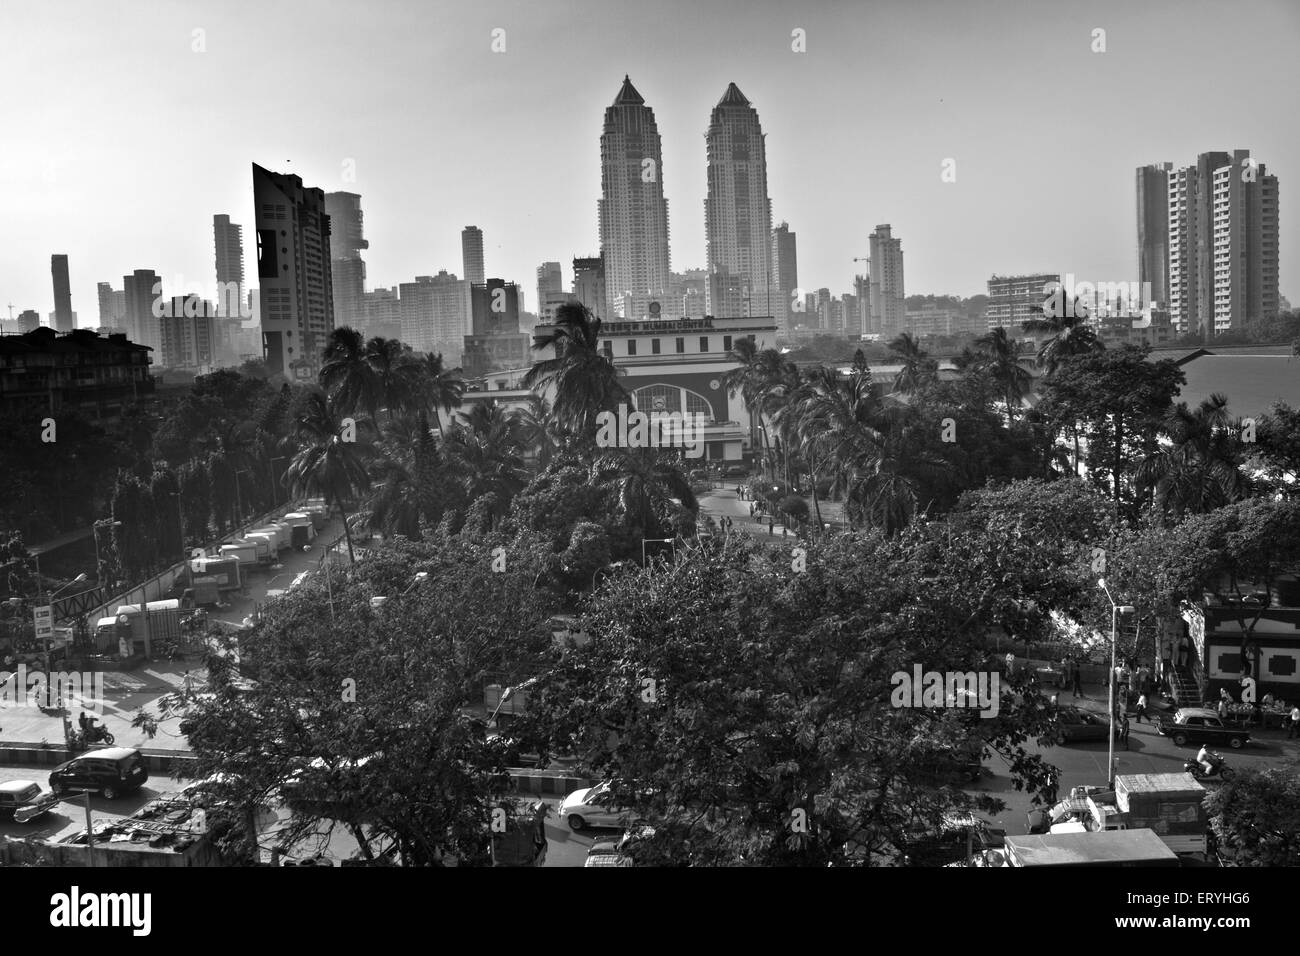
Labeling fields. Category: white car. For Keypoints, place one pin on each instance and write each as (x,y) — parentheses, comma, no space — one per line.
(595,807)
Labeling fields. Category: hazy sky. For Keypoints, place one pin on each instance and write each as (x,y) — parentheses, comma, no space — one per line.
(118,142)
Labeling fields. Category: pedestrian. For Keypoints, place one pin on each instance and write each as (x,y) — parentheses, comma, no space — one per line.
(1011,663)
(1141,707)
(1295,722)
(1077,673)
(1063,678)
(1123,730)
(189,684)
(770,524)
(1223,709)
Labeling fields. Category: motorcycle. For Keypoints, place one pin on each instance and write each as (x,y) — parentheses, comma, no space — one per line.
(1219,769)
(95,735)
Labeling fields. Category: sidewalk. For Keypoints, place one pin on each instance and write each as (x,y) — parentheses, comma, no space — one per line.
(724,501)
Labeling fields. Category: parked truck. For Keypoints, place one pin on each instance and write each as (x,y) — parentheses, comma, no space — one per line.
(304,532)
(161,622)
(270,539)
(1140,847)
(277,532)
(245,554)
(261,547)
(1167,804)
(225,571)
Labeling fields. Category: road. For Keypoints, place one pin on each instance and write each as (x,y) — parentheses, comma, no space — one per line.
(69,817)
(1085,763)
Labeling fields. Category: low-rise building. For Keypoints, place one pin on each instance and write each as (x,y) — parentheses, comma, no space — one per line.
(80,369)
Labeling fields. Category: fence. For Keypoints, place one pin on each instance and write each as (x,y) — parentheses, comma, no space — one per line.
(160,584)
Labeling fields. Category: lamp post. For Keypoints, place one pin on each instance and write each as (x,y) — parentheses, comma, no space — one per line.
(49,600)
(1115,611)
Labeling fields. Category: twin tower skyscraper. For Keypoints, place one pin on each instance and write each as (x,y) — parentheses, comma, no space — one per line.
(633,212)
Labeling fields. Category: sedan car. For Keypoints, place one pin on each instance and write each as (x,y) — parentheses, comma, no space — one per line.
(1199,725)
(1075,725)
(595,806)
(24,800)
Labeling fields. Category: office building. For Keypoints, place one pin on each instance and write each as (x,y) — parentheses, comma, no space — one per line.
(632,210)
(63,320)
(471,250)
(737,210)
(347,240)
(293,271)
(785,259)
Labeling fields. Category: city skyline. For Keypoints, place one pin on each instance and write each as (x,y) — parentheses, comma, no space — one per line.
(535,201)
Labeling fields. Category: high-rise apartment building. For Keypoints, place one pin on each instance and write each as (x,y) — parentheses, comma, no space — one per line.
(1153,229)
(139,291)
(785,260)
(293,271)
(737,211)
(187,333)
(494,307)
(28,319)
(63,318)
(433,311)
(347,240)
(1012,299)
(633,212)
(1223,244)
(471,251)
(888,310)
(383,316)
(589,285)
(550,291)
(112,305)
(228,257)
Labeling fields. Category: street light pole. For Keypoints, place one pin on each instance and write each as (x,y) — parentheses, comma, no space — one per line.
(1115,611)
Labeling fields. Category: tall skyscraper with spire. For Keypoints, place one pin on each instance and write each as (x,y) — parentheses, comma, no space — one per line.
(737,212)
(632,210)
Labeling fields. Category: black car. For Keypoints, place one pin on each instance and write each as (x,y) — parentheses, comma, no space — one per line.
(1074,724)
(1199,725)
(110,772)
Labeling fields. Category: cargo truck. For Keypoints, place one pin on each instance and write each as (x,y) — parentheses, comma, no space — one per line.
(245,554)
(278,533)
(160,623)
(1140,847)
(225,571)
(271,540)
(261,547)
(1168,804)
(304,532)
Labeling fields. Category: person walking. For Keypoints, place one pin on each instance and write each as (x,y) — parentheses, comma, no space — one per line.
(1123,730)
(1223,709)
(1295,722)
(1141,707)
(1011,664)
(1077,671)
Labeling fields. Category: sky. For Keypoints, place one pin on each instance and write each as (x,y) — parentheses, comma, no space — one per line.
(126,124)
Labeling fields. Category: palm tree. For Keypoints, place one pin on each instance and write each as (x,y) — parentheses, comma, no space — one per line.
(645,481)
(1071,335)
(1001,359)
(347,374)
(540,432)
(1200,469)
(919,371)
(328,462)
(397,373)
(764,379)
(441,389)
(407,478)
(486,448)
(584,379)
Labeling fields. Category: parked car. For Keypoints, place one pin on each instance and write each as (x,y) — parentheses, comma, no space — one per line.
(24,800)
(595,806)
(948,843)
(110,772)
(612,851)
(1075,725)
(737,471)
(1200,725)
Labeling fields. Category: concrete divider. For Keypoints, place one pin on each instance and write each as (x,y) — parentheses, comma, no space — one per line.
(158,761)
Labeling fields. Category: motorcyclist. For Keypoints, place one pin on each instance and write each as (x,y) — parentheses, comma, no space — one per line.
(1207,760)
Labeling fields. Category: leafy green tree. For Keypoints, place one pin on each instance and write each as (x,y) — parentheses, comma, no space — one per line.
(1119,400)
(439,388)
(1277,451)
(919,370)
(1070,335)
(399,375)
(645,483)
(1256,818)
(134,539)
(359,718)
(486,449)
(745,711)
